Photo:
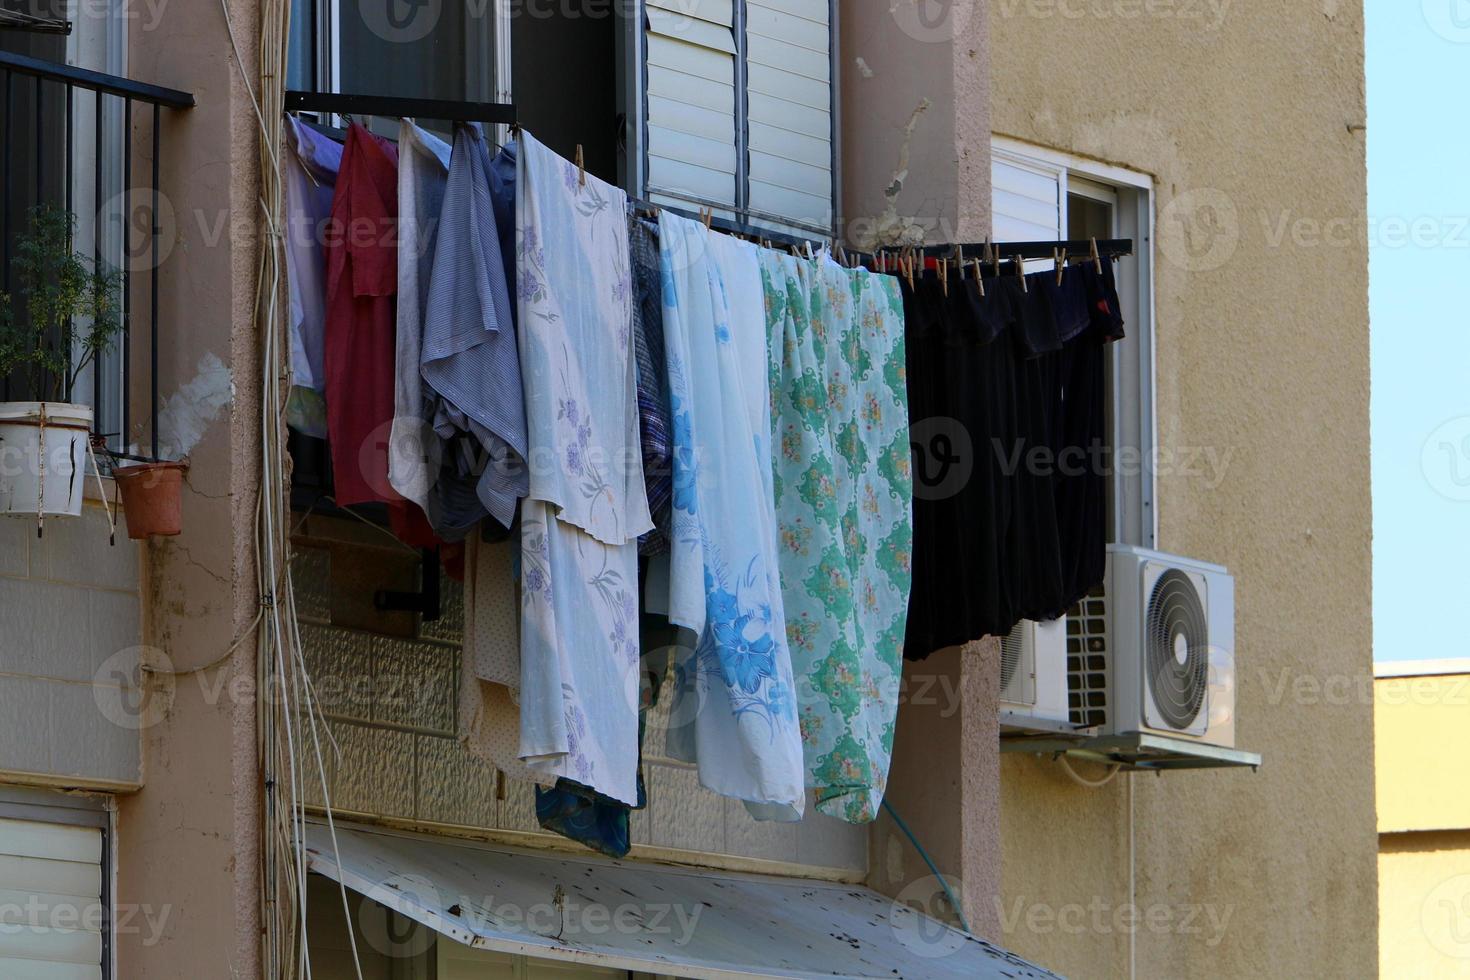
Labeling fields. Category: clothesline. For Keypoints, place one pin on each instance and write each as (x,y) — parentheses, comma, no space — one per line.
(1001,256)
(686,442)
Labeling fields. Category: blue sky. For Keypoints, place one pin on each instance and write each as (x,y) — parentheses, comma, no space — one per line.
(1418,154)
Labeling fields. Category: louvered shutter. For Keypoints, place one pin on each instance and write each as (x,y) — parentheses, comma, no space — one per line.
(691,54)
(1026,202)
(50,901)
(789,65)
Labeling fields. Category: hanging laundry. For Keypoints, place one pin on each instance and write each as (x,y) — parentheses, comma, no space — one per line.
(723,581)
(311,163)
(586,816)
(469,356)
(655,429)
(1010,488)
(844,496)
(587,504)
(359,347)
(415,452)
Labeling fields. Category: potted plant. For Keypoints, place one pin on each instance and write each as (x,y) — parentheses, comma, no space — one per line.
(63,315)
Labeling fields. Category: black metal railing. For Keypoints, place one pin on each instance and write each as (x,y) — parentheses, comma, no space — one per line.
(69,138)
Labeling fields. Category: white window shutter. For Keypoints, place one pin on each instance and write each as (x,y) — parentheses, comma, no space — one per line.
(50,901)
(691,54)
(1026,201)
(789,46)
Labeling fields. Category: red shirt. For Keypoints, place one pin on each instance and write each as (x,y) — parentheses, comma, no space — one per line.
(362,289)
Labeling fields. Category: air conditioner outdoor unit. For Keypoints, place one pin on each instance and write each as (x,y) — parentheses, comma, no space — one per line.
(1154,652)
(1033,675)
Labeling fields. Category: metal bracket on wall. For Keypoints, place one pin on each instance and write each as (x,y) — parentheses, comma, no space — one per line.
(425,602)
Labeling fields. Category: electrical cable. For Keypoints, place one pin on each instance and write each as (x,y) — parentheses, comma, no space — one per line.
(281,663)
(954,903)
(1080,780)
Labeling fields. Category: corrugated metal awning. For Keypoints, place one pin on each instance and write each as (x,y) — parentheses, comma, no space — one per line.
(628,915)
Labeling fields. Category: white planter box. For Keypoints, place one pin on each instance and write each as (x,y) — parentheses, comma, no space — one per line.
(43,458)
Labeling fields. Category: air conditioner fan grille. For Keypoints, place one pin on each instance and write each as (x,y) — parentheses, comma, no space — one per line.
(1176,645)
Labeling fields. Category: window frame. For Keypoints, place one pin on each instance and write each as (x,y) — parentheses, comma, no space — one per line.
(633,162)
(93,812)
(493,32)
(1133,369)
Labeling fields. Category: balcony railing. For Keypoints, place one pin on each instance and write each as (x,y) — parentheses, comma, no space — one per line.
(69,137)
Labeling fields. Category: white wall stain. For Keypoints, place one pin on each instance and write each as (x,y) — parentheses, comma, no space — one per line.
(187,413)
(890,229)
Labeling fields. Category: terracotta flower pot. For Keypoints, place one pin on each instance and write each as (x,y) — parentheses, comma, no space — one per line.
(150,498)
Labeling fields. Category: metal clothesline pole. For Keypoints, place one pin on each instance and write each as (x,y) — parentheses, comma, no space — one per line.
(348,104)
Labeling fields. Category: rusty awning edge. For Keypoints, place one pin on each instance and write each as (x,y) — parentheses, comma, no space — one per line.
(629,915)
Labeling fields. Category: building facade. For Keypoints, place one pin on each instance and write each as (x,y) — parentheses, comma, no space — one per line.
(138,700)
(1423,840)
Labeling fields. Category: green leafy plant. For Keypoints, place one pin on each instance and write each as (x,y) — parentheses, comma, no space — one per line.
(70,308)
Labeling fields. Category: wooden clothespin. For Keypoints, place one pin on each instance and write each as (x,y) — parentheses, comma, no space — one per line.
(959,261)
(944,275)
(911,271)
(1060,257)
(1096,257)
(707,215)
(581,167)
(994,256)
(979,279)
(1021,273)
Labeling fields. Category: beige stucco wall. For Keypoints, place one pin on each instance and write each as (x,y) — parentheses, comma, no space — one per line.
(916,170)
(1247,116)
(69,633)
(1422,723)
(189,839)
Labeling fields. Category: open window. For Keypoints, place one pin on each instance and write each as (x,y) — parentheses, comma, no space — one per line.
(1043,195)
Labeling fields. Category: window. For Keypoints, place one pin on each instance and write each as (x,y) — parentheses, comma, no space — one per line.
(737,104)
(54,854)
(37,171)
(727,104)
(1042,195)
